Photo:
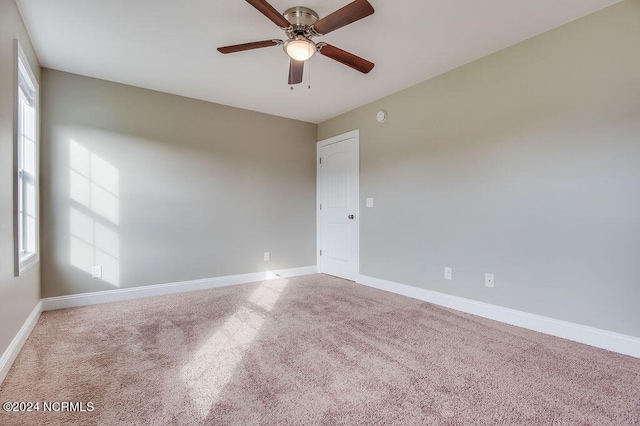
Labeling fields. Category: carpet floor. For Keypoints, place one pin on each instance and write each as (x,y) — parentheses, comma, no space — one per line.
(309,350)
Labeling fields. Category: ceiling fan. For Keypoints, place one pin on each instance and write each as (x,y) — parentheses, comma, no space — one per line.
(301,24)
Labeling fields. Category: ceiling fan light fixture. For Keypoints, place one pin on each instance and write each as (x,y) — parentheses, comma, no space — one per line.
(299,48)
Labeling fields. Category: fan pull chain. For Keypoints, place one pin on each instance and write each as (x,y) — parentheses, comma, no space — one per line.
(309,73)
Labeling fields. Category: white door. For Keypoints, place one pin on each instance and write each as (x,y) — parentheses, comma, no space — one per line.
(338,213)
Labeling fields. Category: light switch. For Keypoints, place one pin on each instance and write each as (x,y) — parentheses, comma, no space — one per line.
(369,202)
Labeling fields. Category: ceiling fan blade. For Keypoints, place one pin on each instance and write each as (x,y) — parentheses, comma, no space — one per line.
(352,12)
(267,10)
(344,57)
(249,46)
(296,69)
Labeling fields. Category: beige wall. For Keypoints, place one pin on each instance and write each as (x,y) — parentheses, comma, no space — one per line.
(525,164)
(158,188)
(18,296)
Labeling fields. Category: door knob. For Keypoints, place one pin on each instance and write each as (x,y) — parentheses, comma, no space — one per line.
(351,216)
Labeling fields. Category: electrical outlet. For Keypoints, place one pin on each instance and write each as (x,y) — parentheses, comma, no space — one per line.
(369,202)
(448,273)
(267,256)
(96,271)
(489,280)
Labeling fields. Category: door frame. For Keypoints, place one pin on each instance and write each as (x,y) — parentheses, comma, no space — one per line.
(355,135)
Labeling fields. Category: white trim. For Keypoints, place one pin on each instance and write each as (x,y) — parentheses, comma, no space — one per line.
(353,134)
(22,263)
(12,351)
(616,342)
(84,299)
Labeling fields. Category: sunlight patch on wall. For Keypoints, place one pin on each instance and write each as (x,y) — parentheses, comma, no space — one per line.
(95,213)
(94,183)
(215,363)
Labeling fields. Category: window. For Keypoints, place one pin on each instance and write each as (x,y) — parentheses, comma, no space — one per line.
(26,165)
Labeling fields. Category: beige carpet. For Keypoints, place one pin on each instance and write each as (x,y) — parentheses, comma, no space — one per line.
(310,350)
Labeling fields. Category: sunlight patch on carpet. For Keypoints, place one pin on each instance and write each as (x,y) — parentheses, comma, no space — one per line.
(214,364)
(268,294)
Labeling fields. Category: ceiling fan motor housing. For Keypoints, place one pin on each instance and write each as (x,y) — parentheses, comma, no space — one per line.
(300,15)
(301,19)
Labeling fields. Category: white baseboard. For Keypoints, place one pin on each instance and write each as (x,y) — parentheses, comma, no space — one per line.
(84,299)
(11,353)
(615,342)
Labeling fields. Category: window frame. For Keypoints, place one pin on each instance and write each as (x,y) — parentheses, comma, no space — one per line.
(23,259)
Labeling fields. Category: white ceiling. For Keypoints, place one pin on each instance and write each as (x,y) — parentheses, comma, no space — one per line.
(170,46)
